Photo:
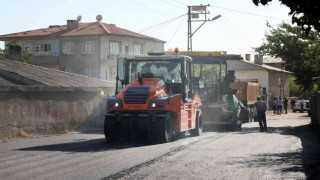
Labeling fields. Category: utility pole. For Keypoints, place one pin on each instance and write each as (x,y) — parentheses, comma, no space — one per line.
(281,82)
(194,12)
(317,81)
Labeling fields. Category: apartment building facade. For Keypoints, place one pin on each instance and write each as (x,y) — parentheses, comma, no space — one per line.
(89,49)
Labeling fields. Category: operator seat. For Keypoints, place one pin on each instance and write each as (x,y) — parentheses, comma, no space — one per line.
(147,75)
(146,71)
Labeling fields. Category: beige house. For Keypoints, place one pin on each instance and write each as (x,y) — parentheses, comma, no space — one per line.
(89,49)
(275,80)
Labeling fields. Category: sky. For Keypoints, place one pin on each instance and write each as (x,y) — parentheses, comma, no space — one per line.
(241,27)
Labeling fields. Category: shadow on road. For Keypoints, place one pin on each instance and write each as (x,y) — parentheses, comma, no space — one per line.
(310,155)
(306,161)
(97,145)
(94,145)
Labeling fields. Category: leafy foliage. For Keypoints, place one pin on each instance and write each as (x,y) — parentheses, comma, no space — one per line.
(11,47)
(296,90)
(301,52)
(27,57)
(305,13)
(2,54)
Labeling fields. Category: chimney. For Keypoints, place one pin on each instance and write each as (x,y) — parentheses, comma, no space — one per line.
(247,56)
(72,24)
(258,59)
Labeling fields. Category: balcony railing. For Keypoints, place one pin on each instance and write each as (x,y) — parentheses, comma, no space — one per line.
(45,53)
(115,56)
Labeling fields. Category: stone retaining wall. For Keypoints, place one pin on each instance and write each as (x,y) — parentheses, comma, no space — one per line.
(27,110)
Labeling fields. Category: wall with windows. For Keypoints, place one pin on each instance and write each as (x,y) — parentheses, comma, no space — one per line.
(93,56)
(113,47)
(27,46)
(41,46)
(80,55)
(108,72)
(45,51)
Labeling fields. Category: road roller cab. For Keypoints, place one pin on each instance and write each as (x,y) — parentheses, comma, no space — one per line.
(154,96)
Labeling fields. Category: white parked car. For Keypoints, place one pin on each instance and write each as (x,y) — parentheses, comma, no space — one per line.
(305,107)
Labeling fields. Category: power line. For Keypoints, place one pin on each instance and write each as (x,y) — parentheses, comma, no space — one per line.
(174,5)
(159,27)
(159,24)
(243,12)
(230,35)
(238,11)
(153,10)
(227,29)
(239,31)
(236,33)
(238,27)
(233,25)
(176,30)
(180,2)
(193,1)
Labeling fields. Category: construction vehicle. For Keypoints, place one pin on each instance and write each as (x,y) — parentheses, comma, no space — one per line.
(153,97)
(247,93)
(212,80)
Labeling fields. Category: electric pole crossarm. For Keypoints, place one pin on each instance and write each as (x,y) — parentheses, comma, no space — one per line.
(198,28)
(194,12)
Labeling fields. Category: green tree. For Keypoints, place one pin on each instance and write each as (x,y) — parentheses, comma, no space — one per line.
(296,90)
(306,13)
(27,57)
(301,52)
(2,54)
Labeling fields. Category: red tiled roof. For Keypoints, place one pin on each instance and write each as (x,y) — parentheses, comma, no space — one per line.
(119,31)
(37,32)
(86,29)
(92,28)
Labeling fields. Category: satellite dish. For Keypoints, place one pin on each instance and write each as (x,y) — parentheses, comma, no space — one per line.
(79,18)
(99,18)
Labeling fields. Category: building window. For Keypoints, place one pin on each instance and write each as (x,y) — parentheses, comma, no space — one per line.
(87,72)
(113,72)
(137,49)
(126,50)
(68,69)
(87,47)
(68,48)
(42,48)
(26,49)
(114,50)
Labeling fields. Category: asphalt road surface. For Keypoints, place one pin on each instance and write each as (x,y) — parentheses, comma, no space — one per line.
(289,150)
